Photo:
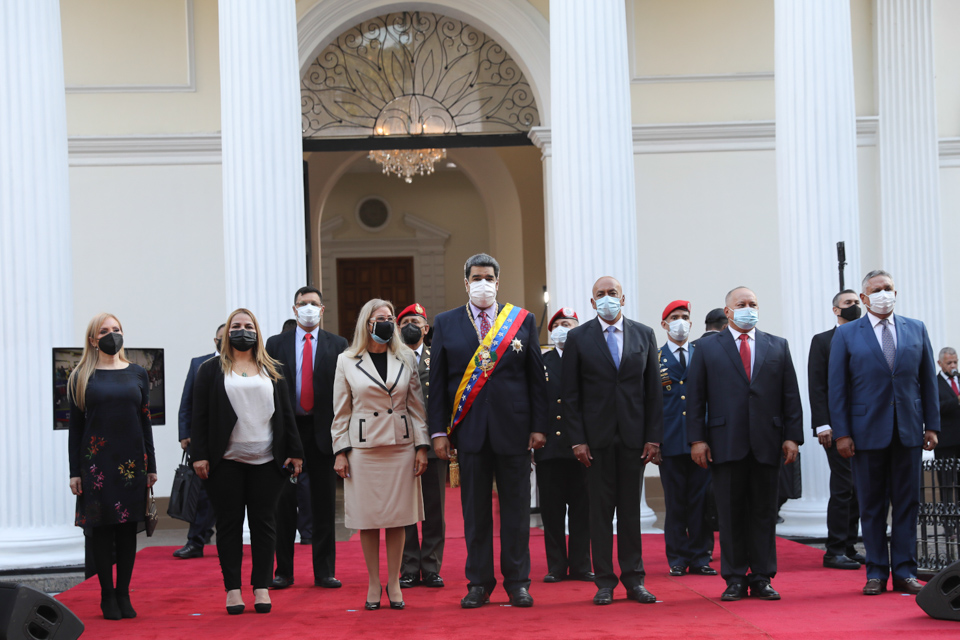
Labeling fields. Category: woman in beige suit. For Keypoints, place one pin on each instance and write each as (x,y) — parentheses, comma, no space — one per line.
(380,437)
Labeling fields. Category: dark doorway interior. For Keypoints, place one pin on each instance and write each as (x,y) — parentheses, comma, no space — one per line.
(361,279)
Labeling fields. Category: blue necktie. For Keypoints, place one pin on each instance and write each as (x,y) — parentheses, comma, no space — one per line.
(886,338)
(612,345)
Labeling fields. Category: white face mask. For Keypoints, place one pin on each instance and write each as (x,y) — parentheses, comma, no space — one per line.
(882,302)
(308,315)
(679,330)
(559,336)
(483,293)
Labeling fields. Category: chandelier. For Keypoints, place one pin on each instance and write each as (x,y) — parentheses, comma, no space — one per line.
(405,163)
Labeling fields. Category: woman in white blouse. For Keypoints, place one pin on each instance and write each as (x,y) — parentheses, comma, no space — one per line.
(245,445)
(380,438)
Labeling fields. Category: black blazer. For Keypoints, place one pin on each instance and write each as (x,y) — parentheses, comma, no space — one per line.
(558,445)
(602,401)
(817,369)
(512,403)
(186,399)
(755,416)
(949,415)
(214,419)
(282,347)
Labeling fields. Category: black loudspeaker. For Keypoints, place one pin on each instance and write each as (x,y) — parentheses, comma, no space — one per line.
(28,614)
(940,597)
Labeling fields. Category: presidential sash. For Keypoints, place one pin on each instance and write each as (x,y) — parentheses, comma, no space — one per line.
(486,358)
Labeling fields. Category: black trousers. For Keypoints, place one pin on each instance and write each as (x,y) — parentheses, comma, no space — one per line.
(614,480)
(201,529)
(477,472)
(687,535)
(426,556)
(323,504)
(746,493)
(235,487)
(562,484)
(843,511)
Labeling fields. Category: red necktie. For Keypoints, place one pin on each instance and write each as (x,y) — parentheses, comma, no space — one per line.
(745,353)
(953,383)
(306,375)
(484,324)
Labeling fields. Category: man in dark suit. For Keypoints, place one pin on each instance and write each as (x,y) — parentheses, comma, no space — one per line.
(843,512)
(308,355)
(614,409)
(949,439)
(687,534)
(714,323)
(422,559)
(561,480)
(743,415)
(201,529)
(883,407)
(488,392)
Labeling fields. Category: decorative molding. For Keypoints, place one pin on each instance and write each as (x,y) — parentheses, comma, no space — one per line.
(153,149)
(949,152)
(542,139)
(745,76)
(189,87)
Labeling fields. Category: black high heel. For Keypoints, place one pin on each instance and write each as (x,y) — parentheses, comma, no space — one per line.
(126,609)
(396,605)
(261,607)
(373,606)
(235,609)
(109,606)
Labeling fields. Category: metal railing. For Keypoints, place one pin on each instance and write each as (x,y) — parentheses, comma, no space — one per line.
(938,522)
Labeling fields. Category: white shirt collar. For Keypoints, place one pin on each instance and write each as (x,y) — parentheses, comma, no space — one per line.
(674,347)
(313,333)
(874,320)
(752,334)
(945,376)
(618,324)
(491,311)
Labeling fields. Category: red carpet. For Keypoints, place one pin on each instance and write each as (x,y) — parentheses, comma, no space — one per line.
(185,599)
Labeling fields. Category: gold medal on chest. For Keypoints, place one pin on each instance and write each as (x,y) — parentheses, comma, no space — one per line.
(486,360)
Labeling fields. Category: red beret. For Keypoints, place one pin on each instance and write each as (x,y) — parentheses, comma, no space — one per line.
(673,306)
(415,310)
(565,312)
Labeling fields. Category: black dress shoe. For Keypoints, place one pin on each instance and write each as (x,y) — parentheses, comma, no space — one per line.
(109,606)
(521,598)
(553,577)
(476,597)
(326,583)
(589,576)
(874,587)
(188,551)
(408,580)
(907,585)
(640,594)
(432,580)
(705,570)
(306,540)
(764,591)
(281,582)
(734,591)
(858,557)
(839,562)
(677,570)
(604,596)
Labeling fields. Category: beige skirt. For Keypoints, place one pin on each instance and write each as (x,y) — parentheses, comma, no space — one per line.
(382,492)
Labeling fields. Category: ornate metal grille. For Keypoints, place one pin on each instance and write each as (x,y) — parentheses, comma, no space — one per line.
(938,522)
(415,73)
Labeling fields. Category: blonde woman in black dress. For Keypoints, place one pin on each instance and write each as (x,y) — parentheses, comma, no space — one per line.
(111,456)
(380,438)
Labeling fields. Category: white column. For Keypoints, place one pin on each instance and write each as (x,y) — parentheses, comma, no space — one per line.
(817,203)
(592,210)
(909,171)
(263,215)
(36,295)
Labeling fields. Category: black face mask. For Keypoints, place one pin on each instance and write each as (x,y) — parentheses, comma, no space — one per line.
(411,334)
(384,331)
(851,313)
(111,343)
(243,340)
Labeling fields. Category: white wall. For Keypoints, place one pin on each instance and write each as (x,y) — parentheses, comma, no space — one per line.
(148,247)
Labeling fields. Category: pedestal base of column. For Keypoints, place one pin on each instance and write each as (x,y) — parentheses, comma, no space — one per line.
(648,517)
(804,518)
(37,548)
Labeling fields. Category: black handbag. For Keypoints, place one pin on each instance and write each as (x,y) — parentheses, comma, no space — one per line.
(185,493)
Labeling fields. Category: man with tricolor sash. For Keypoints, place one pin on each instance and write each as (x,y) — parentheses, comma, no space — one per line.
(488,400)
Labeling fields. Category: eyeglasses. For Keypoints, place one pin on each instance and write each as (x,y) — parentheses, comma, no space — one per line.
(383,319)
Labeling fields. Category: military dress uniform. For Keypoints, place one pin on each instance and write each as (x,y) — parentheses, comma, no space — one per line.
(687,533)
(562,484)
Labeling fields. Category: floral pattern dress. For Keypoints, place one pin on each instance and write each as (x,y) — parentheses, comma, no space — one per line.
(111,447)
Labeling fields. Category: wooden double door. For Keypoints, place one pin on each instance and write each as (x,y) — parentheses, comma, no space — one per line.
(362,279)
